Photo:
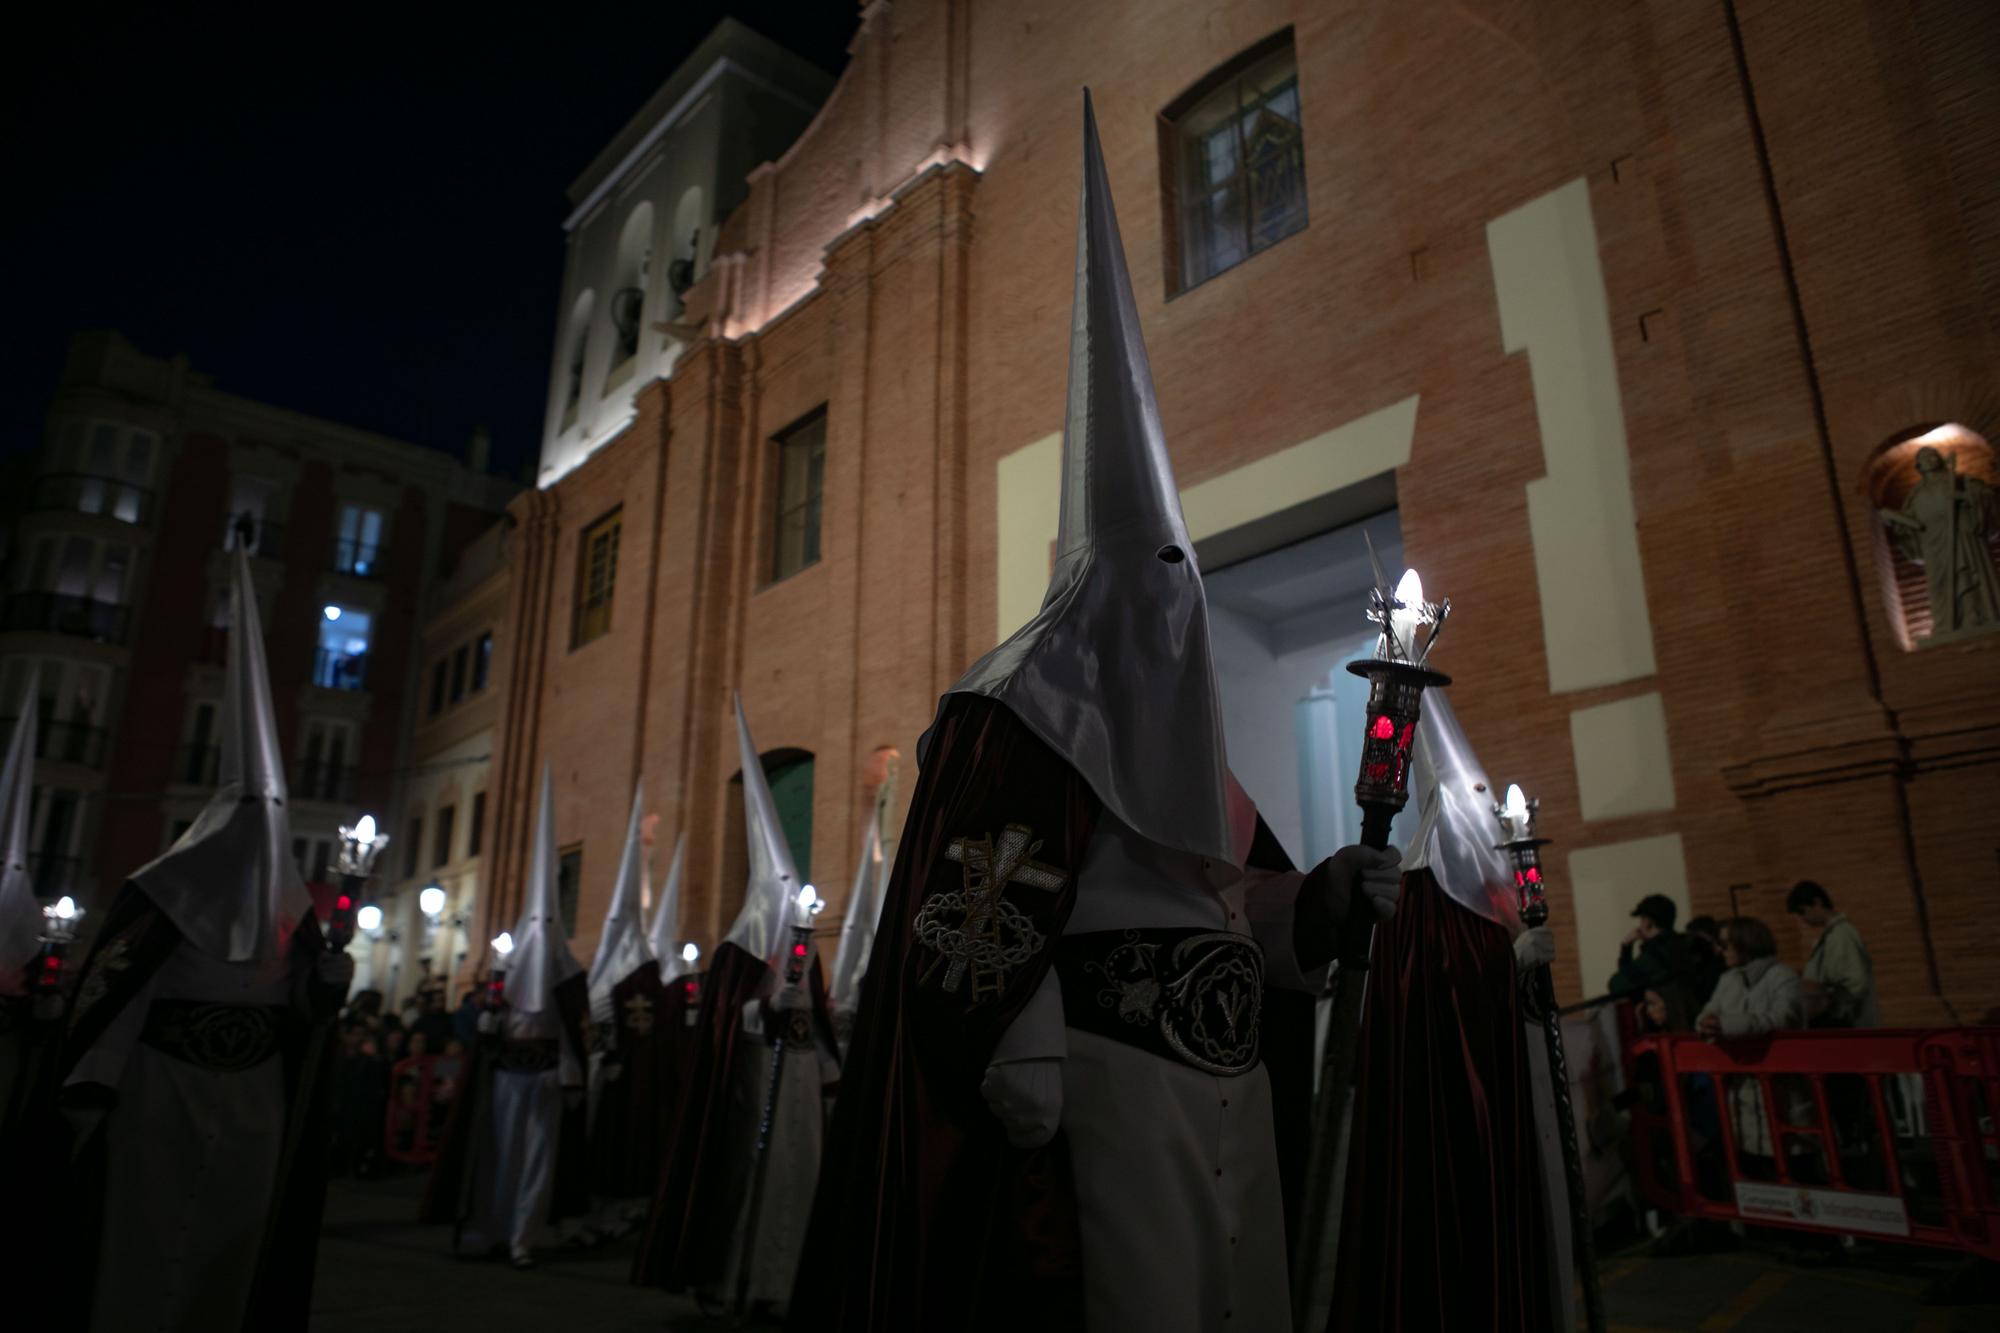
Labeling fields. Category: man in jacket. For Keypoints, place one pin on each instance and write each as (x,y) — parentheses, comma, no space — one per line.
(1839,976)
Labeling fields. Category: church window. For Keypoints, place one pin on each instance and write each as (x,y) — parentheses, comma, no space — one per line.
(596,578)
(1233,162)
(801,457)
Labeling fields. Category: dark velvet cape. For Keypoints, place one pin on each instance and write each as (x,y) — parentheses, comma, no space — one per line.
(688,1232)
(1445,1221)
(136,938)
(628,1135)
(925,1217)
(448,1192)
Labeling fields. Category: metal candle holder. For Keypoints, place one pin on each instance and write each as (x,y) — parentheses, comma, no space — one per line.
(60,920)
(355,862)
(1524,854)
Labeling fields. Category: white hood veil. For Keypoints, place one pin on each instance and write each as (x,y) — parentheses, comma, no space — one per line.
(622,948)
(1114,672)
(541,960)
(773,887)
(229,884)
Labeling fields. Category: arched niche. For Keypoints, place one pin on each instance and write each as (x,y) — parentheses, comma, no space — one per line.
(1937,532)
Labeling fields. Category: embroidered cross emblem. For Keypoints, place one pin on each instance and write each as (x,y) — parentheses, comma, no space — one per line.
(974,932)
(639,1015)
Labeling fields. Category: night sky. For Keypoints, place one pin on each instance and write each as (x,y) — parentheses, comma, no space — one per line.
(360,221)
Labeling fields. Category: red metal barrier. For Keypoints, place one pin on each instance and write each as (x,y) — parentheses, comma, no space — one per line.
(420,1093)
(1885,1133)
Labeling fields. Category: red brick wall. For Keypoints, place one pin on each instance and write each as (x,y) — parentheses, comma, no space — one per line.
(1799,248)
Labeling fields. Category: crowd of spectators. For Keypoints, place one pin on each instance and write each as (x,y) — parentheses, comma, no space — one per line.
(382,1063)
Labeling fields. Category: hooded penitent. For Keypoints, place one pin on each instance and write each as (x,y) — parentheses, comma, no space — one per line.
(1113,674)
(20,911)
(664,936)
(1448,1099)
(857,932)
(541,960)
(622,948)
(230,885)
(774,881)
(685,1244)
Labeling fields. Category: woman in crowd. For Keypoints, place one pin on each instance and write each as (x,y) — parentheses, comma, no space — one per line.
(1755,996)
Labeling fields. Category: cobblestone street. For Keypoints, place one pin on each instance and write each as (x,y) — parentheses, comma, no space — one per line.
(381,1273)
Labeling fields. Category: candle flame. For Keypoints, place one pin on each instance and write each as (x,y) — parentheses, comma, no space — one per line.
(690,952)
(65,908)
(503,943)
(1516,807)
(365,830)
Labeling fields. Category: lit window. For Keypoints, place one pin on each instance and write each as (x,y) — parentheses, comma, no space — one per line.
(801,475)
(1235,163)
(341,663)
(596,578)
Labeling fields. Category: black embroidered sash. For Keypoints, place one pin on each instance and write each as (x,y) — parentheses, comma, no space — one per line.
(1189,995)
(221,1038)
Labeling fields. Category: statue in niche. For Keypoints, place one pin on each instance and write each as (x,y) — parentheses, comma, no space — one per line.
(1943,526)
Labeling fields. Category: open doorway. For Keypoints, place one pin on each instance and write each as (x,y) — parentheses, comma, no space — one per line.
(1284,624)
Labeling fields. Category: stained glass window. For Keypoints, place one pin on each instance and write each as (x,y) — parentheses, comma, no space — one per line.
(1239,163)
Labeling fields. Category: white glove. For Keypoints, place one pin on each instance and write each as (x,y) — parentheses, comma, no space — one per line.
(1025,1096)
(1534,948)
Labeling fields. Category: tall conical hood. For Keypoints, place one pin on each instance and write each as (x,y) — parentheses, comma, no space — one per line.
(229,885)
(773,887)
(621,949)
(1456,832)
(857,932)
(665,935)
(541,960)
(20,910)
(1114,672)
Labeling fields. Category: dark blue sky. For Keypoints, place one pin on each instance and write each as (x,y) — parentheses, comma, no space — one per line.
(351,213)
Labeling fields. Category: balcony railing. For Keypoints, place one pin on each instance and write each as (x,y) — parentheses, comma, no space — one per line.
(65,742)
(197,765)
(357,559)
(319,780)
(82,493)
(340,671)
(54,875)
(66,613)
(267,539)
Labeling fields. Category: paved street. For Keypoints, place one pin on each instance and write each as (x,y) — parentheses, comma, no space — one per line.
(380,1273)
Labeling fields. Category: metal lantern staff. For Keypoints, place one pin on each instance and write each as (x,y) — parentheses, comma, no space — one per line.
(1397,677)
(691,984)
(60,920)
(1524,853)
(810,905)
(496,988)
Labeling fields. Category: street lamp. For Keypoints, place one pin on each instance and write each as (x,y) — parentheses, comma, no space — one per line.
(369,919)
(431,902)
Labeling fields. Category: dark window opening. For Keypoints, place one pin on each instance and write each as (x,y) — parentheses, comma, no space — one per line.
(801,477)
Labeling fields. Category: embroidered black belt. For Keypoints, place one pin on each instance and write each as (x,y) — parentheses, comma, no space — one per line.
(222,1038)
(1188,995)
(529,1055)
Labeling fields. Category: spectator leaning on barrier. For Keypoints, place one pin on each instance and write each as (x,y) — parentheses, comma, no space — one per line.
(1652,953)
(1757,995)
(1839,976)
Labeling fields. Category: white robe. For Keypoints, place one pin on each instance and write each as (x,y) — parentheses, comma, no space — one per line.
(193,1158)
(1178,1195)
(514,1171)
(791,1160)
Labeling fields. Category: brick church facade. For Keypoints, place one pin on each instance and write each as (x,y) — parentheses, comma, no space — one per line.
(1631,316)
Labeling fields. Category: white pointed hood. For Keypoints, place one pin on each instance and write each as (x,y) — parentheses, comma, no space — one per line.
(857,932)
(541,960)
(229,885)
(621,949)
(1114,672)
(20,910)
(770,896)
(665,936)
(1456,831)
